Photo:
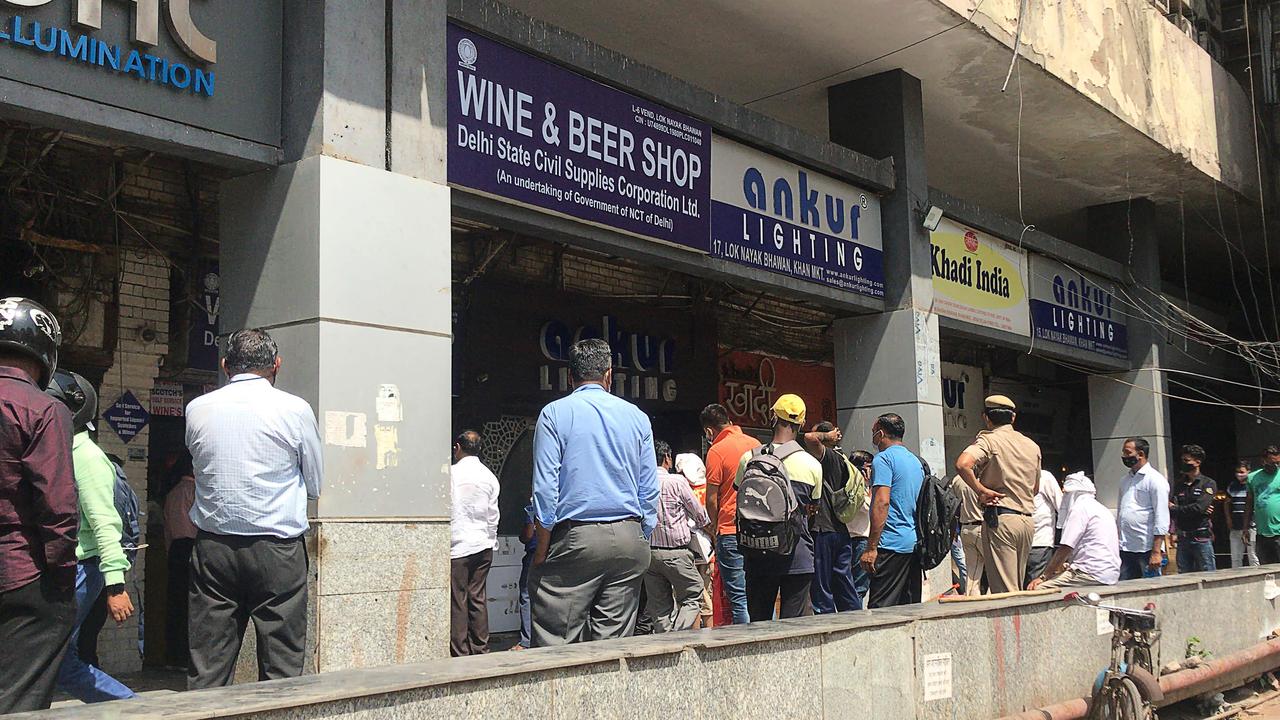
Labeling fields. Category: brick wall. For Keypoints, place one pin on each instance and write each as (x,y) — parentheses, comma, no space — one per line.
(144,310)
(151,218)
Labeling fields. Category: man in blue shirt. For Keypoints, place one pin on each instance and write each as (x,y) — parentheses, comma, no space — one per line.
(890,556)
(595,495)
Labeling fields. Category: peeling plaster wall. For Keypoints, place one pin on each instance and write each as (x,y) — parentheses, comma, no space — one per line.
(1124,56)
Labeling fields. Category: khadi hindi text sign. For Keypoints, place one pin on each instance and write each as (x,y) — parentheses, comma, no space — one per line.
(1076,310)
(529,131)
(778,216)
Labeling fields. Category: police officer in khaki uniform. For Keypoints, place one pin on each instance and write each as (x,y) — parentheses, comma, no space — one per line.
(1003,468)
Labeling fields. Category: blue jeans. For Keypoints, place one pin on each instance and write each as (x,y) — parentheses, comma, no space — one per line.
(861,580)
(1133,565)
(85,682)
(832,589)
(733,577)
(526,616)
(957,556)
(1195,555)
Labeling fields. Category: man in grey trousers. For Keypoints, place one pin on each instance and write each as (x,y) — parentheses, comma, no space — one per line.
(257,458)
(673,585)
(595,495)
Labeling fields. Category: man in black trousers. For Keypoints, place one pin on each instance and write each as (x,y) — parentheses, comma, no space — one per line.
(257,458)
(39,513)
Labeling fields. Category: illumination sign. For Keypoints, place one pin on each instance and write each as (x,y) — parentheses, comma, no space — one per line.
(79,45)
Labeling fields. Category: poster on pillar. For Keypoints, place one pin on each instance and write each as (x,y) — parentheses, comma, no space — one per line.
(1076,309)
(979,279)
(962,387)
(532,132)
(778,216)
(751,382)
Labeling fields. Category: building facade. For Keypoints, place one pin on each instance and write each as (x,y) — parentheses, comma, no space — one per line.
(881,208)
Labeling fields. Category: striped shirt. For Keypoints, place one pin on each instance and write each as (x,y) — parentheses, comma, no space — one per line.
(257,457)
(676,507)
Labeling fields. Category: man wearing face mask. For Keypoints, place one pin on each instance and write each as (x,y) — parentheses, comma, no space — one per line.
(1264,505)
(1191,509)
(1142,514)
(1243,536)
(890,558)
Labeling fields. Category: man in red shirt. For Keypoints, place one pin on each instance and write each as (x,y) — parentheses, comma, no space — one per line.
(39,512)
(728,445)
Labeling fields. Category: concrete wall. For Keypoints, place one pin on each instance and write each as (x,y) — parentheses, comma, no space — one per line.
(1003,656)
(1124,56)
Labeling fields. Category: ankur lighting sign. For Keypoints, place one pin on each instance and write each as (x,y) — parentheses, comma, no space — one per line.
(1077,310)
(772,214)
(209,63)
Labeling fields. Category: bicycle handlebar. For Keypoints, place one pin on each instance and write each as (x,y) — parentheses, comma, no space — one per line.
(1092,600)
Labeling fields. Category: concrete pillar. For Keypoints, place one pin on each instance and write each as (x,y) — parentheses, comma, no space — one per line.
(1133,403)
(343,255)
(889,362)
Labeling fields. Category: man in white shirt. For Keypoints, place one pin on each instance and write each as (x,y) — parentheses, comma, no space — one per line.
(1142,514)
(1089,552)
(474,537)
(257,459)
(1046,520)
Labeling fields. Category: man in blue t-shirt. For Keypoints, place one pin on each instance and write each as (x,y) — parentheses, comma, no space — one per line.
(890,557)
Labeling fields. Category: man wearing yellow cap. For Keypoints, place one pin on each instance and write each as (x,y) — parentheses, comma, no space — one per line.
(1003,468)
(772,574)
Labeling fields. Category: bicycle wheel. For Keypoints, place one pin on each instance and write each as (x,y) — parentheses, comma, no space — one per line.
(1129,704)
(1118,699)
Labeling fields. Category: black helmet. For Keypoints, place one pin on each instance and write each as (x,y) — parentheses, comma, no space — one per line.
(78,395)
(25,326)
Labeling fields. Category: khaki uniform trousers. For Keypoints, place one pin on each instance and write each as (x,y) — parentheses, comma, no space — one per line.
(1005,549)
(971,541)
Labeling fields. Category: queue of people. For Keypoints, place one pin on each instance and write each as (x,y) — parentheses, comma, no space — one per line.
(620,532)
(66,538)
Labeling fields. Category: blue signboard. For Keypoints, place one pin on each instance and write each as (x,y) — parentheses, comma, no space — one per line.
(529,131)
(202,334)
(778,216)
(127,416)
(1077,310)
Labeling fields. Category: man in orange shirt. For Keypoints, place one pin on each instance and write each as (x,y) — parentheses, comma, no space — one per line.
(728,445)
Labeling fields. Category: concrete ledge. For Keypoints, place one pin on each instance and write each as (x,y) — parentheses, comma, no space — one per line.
(1006,655)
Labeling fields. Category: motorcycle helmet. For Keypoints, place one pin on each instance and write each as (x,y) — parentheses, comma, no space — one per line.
(78,395)
(27,327)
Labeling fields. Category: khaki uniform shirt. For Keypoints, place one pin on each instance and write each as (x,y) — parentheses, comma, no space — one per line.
(1008,462)
(970,508)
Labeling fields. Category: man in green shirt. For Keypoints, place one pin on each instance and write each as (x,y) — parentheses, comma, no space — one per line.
(102,561)
(1263,505)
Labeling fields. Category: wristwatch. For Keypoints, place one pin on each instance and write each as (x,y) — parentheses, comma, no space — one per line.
(113,590)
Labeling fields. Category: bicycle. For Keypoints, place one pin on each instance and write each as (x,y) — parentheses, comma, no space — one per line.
(1127,689)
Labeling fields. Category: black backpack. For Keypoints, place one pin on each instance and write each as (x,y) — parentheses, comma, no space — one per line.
(937,510)
(126,502)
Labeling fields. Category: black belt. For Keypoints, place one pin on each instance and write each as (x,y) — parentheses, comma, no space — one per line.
(1010,511)
(682,547)
(976,522)
(576,523)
